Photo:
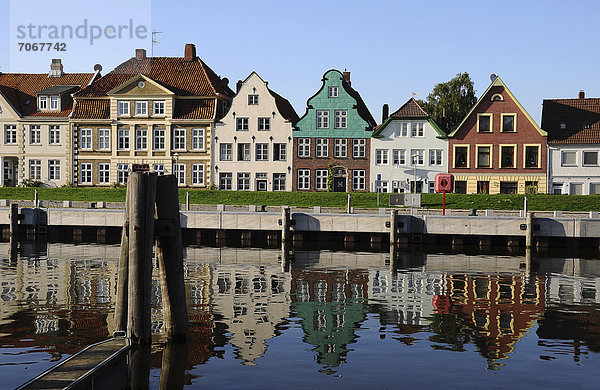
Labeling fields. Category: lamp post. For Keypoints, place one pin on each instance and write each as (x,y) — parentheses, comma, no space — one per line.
(414,160)
(175,159)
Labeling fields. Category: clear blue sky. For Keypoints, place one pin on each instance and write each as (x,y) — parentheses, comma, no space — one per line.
(540,48)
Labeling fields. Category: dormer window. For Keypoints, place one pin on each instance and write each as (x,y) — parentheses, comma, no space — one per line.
(54,102)
(123,108)
(253,100)
(43,102)
(141,108)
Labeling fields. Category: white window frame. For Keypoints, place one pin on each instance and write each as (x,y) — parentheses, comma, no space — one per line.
(322,147)
(322,119)
(104,139)
(340,148)
(159,137)
(197,174)
(279,152)
(179,172)
(198,141)
(304,179)
(158,108)
(303,147)
(264,124)
(419,154)
(179,134)
(332,91)
(417,130)
(123,107)
(141,108)
(242,124)
(340,119)
(35,134)
(54,134)
(35,169)
(85,139)
(359,148)
(382,157)
(436,157)
(43,103)
(321,176)
(359,179)
(261,152)
(141,138)
(85,173)
(562,158)
(245,149)
(253,99)
(123,138)
(10,134)
(399,157)
(279,181)
(53,169)
(226,151)
(54,106)
(243,181)
(226,181)
(103,173)
(122,173)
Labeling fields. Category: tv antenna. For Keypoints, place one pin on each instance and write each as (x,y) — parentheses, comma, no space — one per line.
(154,33)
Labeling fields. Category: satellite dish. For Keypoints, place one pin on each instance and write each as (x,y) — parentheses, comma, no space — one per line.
(97,68)
(493,77)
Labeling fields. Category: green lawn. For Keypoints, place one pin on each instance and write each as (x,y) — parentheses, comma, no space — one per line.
(325,199)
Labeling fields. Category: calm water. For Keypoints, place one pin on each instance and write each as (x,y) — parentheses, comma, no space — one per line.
(335,319)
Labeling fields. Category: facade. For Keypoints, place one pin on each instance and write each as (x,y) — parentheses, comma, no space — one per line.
(332,139)
(34,120)
(253,142)
(573,127)
(149,114)
(407,149)
(498,147)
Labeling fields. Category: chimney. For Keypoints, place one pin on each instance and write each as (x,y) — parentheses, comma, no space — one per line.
(56,68)
(238,86)
(385,112)
(140,54)
(346,76)
(581,94)
(190,52)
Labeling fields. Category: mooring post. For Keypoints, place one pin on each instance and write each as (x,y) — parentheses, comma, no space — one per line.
(170,259)
(174,362)
(141,240)
(393,237)
(14,230)
(35,199)
(121,309)
(349,206)
(187,201)
(285,234)
(529,231)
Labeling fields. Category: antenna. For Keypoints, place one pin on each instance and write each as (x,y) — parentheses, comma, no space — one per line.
(493,77)
(154,33)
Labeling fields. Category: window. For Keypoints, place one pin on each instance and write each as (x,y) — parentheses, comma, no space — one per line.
(568,158)
(590,158)
(332,92)
(417,156)
(279,152)
(261,181)
(383,186)
(197,174)
(54,102)
(322,147)
(43,102)
(509,122)
(460,187)
(243,152)
(484,123)
(264,124)
(497,97)
(435,157)
(141,108)
(123,108)
(122,173)
(303,147)
(322,119)
(10,134)
(241,124)
(262,152)
(226,152)
(86,173)
(252,100)
(532,156)
(141,139)
(531,186)
(341,119)
(321,179)
(54,135)
(123,139)
(198,139)
(103,139)
(399,157)
(279,182)
(340,148)
(103,173)
(159,168)
(158,108)
(416,129)
(304,179)
(35,134)
(54,169)
(359,148)
(484,156)
(402,130)
(381,157)
(594,188)
(576,189)
(85,139)
(159,139)
(243,181)
(461,156)
(508,187)
(358,179)
(507,156)
(179,139)
(179,171)
(225,181)
(483,187)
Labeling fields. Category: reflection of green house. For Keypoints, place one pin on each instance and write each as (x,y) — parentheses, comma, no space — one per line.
(329,326)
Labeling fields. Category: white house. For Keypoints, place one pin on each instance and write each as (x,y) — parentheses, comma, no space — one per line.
(407,148)
(253,142)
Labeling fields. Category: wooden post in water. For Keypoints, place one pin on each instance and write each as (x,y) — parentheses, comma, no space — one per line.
(35,199)
(122,290)
(187,201)
(529,231)
(141,240)
(174,362)
(14,230)
(170,259)
(285,236)
(393,237)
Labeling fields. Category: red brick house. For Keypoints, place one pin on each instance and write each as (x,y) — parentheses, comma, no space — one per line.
(498,147)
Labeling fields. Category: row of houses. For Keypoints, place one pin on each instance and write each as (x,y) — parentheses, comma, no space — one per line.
(176,115)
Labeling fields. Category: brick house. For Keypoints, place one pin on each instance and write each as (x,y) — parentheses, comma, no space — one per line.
(498,147)
(332,139)
(573,127)
(152,114)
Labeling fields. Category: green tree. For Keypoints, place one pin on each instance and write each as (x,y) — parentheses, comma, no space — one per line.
(450,102)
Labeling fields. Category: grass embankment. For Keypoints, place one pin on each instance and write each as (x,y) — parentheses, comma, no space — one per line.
(325,199)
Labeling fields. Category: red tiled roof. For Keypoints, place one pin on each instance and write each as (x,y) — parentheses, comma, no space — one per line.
(92,109)
(184,78)
(20,88)
(579,117)
(410,109)
(194,109)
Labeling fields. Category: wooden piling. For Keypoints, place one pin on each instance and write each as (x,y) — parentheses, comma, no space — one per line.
(174,363)
(14,230)
(285,233)
(121,307)
(141,239)
(170,259)
(529,231)
(393,237)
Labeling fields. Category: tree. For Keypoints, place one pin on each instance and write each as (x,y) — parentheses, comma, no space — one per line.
(450,102)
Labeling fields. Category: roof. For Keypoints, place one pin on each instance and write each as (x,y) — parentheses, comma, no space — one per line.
(194,109)
(20,89)
(92,109)
(184,78)
(581,119)
(58,89)
(285,107)
(361,107)
(410,109)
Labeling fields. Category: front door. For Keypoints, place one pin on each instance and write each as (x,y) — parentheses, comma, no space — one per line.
(9,174)
(339,184)
(261,184)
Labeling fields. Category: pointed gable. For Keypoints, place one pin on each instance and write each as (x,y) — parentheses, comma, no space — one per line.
(410,109)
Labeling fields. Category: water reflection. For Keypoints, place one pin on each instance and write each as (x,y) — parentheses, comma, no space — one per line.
(246,311)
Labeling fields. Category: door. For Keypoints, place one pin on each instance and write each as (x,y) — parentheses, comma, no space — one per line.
(339,184)
(261,185)
(9,179)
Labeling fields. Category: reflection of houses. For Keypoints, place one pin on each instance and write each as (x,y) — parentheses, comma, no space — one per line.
(331,304)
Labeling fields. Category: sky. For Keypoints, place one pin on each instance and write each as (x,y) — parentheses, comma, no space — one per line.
(541,49)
